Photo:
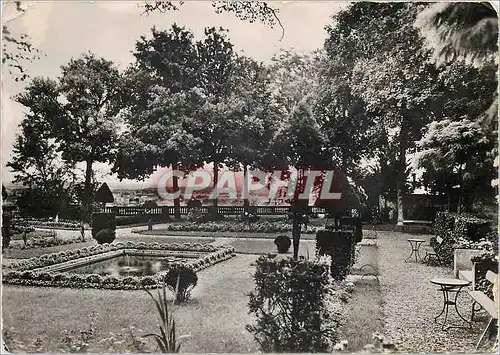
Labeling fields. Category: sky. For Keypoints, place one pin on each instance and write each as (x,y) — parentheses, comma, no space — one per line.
(62,30)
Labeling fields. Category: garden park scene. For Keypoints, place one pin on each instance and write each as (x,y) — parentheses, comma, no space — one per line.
(236,176)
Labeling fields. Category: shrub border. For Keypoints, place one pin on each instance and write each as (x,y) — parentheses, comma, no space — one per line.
(36,271)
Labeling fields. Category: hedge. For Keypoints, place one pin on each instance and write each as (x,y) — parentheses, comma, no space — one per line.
(102,221)
(294,304)
(453,228)
(340,246)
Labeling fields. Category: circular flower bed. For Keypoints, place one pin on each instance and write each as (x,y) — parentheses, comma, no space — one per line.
(30,272)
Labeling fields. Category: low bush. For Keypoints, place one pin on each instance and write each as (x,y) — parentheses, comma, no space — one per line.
(105,236)
(283,243)
(340,246)
(102,221)
(183,278)
(294,305)
(235,226)
(455,230)
(47,223)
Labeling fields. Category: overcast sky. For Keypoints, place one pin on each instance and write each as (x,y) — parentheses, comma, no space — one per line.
(63,30)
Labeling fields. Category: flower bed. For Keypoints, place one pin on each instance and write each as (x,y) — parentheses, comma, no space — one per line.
(36,271)
(232,226)
(47,223)
(45,242)
(482,244)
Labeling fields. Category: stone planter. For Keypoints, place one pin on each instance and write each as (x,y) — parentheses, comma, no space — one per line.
(367,256)
(461,260)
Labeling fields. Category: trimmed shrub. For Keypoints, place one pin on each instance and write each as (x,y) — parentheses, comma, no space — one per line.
(283,243)
(102,221)
(148,281)
(293,302)
(187,280)
(105,236)
(340,246)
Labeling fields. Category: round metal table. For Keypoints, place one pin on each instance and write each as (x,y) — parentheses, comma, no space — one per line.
(415,246)
(447,286)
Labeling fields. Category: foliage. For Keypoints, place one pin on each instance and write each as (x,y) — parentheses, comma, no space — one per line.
(166,339)
(181,279)
(105,236)
(6,229)
(71,120)
(36,162)
(45,242)
(102,221)
(340,246)
(481,267)
(47,223)
(294,304)
(454,229)
(16,50)
(465,31)
(374,88)
(4,193)
(457,153)
(251,11)
(75,341)
(194,215)
(104,194)
(231,226)
(283,243)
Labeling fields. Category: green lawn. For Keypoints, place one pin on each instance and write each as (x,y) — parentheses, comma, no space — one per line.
(364,315)
(200,234)
(252,246)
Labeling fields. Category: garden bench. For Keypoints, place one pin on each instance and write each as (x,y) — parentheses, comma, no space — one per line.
(486,303)
(430,251)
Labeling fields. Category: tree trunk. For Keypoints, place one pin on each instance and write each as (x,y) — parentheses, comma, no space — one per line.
(177,202)
(216,180)
(448,199)
(401,173)
(246,203)
(87,192)
(296,228)
(297,214)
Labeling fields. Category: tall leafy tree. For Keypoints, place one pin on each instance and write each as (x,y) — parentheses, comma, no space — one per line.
(299,143)
(256,113)
(91,94)
(455,153)
(376,43)
(181,109)
(82,112)
(36,161)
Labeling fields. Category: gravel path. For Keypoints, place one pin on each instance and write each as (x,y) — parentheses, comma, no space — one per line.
(410,301)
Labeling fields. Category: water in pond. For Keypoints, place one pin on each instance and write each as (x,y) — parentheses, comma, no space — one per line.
(127,265)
